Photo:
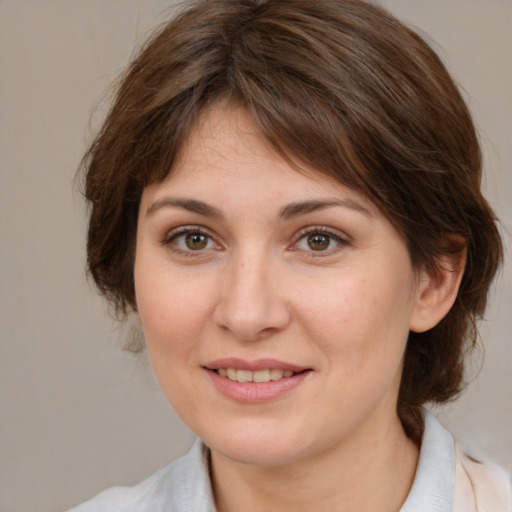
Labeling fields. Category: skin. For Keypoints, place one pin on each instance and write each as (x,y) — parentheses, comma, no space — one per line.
(257,286)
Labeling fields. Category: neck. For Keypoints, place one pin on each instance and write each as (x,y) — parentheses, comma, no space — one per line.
(367,473)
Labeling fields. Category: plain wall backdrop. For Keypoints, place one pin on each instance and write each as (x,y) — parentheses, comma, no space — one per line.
(77,413)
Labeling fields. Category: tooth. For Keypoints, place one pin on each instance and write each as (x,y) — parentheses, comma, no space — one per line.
(261,376)
(276,374)
(244,376)
(257,376)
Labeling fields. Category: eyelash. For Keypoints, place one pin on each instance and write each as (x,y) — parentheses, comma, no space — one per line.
(173,235)
(321,230)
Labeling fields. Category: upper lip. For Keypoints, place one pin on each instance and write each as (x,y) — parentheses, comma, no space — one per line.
(254,366)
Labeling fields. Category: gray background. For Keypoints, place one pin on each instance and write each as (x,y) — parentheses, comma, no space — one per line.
(78,414)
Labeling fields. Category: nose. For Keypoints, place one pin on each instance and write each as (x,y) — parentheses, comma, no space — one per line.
(252,303)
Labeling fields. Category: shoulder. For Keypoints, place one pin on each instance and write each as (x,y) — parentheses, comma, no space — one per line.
(481,486)
(181,486)
(448,480)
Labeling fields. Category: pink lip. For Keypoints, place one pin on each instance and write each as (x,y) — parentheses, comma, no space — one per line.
(253,366)
(255,392)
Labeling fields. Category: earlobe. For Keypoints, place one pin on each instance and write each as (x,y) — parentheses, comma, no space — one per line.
(436,292)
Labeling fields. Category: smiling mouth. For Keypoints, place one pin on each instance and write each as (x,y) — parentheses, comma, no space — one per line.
(255,376)
(256,382)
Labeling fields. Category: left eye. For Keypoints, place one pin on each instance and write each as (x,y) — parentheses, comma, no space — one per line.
(318,242)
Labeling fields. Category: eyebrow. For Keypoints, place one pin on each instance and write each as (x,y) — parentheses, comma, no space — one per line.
(304,207)
(192,205)
(291,210)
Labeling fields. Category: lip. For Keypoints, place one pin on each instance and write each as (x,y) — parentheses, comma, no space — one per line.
(254,366)
(255,392)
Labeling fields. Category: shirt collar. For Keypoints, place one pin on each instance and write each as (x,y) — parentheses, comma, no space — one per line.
(434,483)
(192,490)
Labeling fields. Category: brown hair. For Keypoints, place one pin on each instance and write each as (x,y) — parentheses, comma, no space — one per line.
(340,85)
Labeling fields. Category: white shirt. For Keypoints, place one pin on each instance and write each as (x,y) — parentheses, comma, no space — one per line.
(446,481)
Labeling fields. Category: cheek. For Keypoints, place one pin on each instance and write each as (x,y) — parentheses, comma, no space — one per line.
(362,319)
(173,314)
(172,309)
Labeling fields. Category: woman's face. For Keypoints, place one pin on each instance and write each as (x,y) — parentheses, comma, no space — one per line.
(246,267)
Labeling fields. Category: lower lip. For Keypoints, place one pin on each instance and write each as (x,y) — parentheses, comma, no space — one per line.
(256,392)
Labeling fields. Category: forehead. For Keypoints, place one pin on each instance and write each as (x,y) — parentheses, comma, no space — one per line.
(225,155)
(222,135)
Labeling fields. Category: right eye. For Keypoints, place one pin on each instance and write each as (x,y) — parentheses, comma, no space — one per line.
(190,240)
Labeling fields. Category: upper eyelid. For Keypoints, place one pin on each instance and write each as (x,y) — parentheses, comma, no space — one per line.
(183,230)
(322,229)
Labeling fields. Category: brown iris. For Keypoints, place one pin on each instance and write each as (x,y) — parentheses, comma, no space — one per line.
(196,241)
(318,242)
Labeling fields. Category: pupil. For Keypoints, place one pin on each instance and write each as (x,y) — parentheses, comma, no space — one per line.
(196,241)
(318,242)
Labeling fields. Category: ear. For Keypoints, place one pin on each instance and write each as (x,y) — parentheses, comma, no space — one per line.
(436,292)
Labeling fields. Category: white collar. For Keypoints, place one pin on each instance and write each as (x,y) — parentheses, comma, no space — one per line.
(434,483)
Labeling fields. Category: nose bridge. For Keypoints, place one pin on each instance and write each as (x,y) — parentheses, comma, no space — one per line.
(251,305)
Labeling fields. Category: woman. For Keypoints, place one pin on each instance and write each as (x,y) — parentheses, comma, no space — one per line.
(287,196)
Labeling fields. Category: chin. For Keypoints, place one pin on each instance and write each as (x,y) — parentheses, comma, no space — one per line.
(256,447)
(253,454)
